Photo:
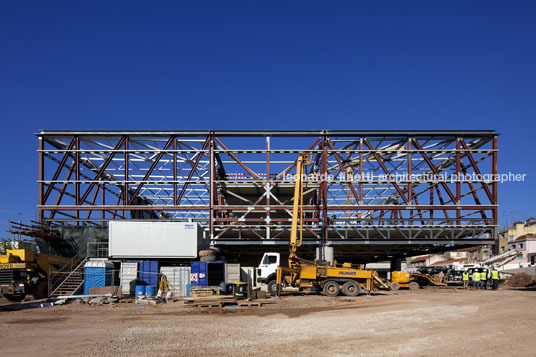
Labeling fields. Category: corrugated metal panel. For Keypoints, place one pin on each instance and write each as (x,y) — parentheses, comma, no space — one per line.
(128,276)
(199,273)
(247,275)
(178,278)
(148,271)
(232,273)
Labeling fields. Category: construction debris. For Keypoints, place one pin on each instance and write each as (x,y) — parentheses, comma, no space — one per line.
(83,296)
(201,291)
(519,280)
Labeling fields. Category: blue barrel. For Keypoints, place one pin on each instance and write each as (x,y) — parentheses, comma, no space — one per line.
(150,290)
(140,290)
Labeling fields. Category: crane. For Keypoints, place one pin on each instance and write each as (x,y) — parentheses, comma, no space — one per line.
(331,279)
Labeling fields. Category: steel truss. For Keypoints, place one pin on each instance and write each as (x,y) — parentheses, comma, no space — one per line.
(363,187)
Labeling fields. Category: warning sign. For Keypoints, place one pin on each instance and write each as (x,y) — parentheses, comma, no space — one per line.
(193,277)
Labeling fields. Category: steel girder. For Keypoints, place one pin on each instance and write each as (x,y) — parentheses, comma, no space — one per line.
(362,186)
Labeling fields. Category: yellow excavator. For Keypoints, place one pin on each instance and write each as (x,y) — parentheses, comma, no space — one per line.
(330,279)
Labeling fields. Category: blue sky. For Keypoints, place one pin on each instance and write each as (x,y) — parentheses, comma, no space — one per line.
(266,65)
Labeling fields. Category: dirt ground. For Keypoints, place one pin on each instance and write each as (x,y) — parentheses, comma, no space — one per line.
(429,322)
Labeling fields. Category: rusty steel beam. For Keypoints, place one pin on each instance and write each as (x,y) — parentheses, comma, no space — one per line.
(151,168)
(172,191)
(261,208)
(192,171)
(41,175)
(434,169)
(384,168)
(339,162)
(477,171)
(61,165)
(231,154)
(103,168)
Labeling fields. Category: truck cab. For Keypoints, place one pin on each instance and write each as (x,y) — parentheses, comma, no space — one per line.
(267,269)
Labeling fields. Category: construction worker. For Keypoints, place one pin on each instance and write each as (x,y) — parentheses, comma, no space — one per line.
(465,278)
(484,279)
(476,279)
(495,278)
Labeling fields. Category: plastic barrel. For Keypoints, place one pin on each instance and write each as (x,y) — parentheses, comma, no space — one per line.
(150,290)
(140,290)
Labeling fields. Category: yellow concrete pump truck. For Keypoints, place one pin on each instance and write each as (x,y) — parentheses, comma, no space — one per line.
(24,271)
(331,279)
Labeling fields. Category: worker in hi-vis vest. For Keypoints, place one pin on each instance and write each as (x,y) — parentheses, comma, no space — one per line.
(484,279)
(495,278)
(465,278)
(476,279)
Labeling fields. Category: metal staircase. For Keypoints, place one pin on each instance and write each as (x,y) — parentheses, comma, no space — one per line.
(68,280)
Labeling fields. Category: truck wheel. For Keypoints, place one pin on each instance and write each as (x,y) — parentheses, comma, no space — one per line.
(41,290)
(351,288)
(272,287)
(394,286)
(207,258)
(413,285)
(15,298)
(331,288)
(206,252)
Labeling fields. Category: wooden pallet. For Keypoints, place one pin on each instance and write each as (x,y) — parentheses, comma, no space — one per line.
(250,304)
(220,304)
(208,305)
(208,298)
(198,291)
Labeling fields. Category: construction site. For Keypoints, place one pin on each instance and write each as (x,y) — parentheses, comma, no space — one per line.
(312,242)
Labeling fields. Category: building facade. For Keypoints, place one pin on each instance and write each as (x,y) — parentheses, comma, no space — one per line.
(510,234)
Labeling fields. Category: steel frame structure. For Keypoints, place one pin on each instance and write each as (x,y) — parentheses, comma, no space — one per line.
(364,187)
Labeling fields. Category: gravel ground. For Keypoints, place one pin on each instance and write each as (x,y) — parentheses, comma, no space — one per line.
(431,322)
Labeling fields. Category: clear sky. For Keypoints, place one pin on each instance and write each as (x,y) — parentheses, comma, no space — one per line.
(266,65)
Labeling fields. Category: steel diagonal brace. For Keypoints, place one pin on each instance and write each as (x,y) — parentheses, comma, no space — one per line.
(350,184)
(58,170)
(433,168)
(231,154)
(151,169)
(384,168)
(190,175)
(103,168)
(477,170)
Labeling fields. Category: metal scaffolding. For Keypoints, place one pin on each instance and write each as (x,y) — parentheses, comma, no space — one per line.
(373,188)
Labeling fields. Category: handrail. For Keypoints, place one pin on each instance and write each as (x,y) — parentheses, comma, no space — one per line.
(55,277)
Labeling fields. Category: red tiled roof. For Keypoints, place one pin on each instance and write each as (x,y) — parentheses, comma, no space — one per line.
(449,261)
(472,249)
(420,259)
(523,237)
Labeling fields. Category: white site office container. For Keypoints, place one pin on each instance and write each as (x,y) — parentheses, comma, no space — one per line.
(154,239)
(128,276)
(232,273)
(178,278)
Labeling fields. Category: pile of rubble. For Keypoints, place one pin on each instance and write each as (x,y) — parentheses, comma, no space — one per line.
(519,280)
(103,299)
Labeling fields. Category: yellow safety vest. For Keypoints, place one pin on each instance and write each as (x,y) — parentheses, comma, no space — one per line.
(483,276)
(465,276)
(495,274)
(476,276)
